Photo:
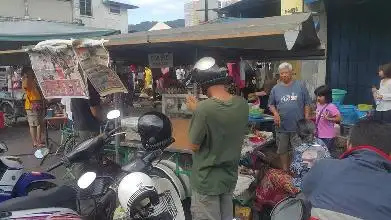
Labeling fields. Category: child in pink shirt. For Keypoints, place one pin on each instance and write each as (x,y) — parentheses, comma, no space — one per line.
(327,115)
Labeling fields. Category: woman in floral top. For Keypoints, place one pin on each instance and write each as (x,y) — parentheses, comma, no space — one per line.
(308,152)
(275,184)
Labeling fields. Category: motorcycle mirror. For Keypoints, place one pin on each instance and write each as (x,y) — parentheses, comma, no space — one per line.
(3,147)
(86,180)
(205,63)
(41,153)
(119,133)
(113,114)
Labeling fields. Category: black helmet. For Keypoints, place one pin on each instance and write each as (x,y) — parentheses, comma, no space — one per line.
(155,130)
(207,73)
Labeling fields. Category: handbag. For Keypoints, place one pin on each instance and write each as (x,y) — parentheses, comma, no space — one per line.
(318,119)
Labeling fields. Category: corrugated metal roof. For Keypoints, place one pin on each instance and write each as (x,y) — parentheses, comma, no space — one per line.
(269,33)
(243,4)
(225,20)
(29,30)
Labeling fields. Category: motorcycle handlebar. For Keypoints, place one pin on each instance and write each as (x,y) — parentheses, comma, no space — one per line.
(54,166)
(112,132)
(91,144)
(108,195)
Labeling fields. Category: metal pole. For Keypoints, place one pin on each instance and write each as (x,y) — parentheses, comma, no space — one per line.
(117,138)
(195,88)
(206,11)
(26,9)
(117,105)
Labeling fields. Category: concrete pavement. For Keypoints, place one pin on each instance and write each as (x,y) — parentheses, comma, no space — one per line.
(19,144)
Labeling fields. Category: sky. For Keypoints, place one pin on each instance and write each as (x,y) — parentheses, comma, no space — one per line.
(156,10)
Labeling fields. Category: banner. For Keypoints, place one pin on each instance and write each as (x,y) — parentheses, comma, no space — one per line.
(159,60)
(94,64)
(57,73)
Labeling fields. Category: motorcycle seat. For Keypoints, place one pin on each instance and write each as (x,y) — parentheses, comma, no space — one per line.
(62,196)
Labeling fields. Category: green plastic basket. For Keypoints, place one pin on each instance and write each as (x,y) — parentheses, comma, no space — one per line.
(338,95)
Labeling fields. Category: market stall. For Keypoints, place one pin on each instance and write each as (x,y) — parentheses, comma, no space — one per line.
(286,36)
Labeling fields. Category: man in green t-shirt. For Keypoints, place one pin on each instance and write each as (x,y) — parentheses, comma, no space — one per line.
(216,133)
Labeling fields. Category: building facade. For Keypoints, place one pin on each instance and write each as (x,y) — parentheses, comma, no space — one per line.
(191,16)
(110,14)
(195,11)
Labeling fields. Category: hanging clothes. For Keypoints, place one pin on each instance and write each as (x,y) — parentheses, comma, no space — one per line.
(260,74)
(234,72)
(242,68)
(148,78)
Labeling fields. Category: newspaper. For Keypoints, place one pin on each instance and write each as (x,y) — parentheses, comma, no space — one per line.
(56,70)
(94,62)
(63,66)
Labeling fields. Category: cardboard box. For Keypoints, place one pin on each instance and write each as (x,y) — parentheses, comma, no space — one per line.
(181,133)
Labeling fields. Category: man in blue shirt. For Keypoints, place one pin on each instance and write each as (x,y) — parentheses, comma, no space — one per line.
(289,102)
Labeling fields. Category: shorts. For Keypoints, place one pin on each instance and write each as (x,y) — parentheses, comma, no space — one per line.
(34,118)
(286,141)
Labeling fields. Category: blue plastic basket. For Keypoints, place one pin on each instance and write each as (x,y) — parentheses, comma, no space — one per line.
(338,95)
(349,114)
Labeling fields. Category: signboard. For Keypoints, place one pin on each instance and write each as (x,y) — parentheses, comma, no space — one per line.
(159,60)
(289,7)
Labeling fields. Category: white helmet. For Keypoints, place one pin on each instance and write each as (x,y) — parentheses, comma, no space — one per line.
(137,195)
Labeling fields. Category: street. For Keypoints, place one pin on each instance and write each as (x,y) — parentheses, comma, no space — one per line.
(19,144)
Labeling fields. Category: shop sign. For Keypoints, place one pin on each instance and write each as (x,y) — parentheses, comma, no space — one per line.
(159,60)
(289,7)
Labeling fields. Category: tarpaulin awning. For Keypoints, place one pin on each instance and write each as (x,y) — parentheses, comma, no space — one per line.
(35,31)
(280,33)
(15,35)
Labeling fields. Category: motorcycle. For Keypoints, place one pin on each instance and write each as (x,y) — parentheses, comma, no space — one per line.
(103,187)
(15,182)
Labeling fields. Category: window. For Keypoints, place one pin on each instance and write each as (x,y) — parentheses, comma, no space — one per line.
(85,7)
(115,8)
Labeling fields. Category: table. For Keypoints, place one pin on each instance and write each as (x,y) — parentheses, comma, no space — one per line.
(266,123)
(48,141)
(52,119)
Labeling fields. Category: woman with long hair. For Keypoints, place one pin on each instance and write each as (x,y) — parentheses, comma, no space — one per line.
(274,183)
(382,95)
